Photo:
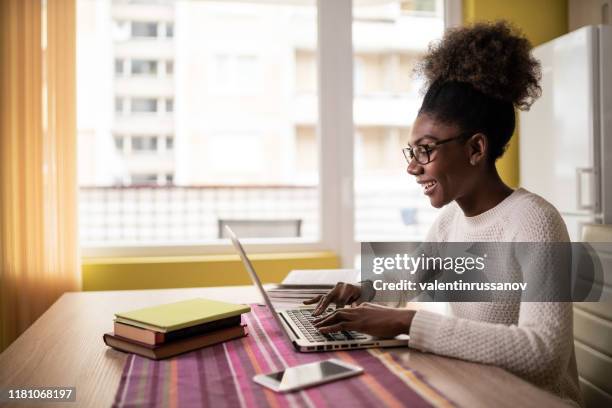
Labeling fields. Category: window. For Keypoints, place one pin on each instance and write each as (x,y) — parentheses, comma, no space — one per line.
(119,105)
(144,105)
(169,105)
(144,29)
(144,67)
(146,179)
(246,139)
(118,142)
(118,67)
(146,144)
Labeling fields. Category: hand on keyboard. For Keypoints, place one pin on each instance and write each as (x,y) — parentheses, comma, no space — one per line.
(377,320)
(342,294)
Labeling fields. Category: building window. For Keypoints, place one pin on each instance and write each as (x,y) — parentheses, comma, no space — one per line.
(144,144)
(118,105)
(118,67)
(169,105)
(143,179)
(169,68)
(169,142)
(169,30)
(144,105)
(144,67)
(144,29)
(169,178)
(118,142)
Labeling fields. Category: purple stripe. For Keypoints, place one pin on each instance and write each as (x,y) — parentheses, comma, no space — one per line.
(155,385)
(124,380)
(204,376)
(187,379)
(132,390)
(227,388)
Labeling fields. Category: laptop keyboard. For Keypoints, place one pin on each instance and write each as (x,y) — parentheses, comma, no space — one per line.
(303,319)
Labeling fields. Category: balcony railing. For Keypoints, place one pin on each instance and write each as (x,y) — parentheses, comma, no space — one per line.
(192,214)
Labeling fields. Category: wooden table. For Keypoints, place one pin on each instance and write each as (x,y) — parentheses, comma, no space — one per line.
(64,348)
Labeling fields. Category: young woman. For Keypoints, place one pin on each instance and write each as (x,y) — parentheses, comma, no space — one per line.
(476,76)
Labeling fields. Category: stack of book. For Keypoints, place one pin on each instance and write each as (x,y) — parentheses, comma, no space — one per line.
(167,330)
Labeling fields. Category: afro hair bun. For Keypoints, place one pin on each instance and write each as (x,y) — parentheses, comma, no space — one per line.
(493,57)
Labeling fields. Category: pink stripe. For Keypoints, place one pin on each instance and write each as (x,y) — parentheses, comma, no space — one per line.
(241,377)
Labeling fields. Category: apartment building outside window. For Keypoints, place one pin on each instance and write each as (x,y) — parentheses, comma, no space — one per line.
(243,135)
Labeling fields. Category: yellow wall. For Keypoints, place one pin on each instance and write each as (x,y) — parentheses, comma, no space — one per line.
(183,272)
(540,21)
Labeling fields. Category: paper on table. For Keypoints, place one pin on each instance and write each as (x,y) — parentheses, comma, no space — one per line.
(320,277)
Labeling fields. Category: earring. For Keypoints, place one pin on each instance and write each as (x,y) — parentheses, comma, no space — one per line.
(472,162)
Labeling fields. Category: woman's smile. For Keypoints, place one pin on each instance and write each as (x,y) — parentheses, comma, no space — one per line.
(428,186)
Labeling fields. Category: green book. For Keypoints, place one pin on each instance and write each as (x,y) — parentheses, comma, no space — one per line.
(174,316)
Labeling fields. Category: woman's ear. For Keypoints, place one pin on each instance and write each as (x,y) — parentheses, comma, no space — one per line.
(477,148)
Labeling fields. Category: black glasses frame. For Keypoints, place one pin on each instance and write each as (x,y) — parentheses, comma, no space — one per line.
(409,152)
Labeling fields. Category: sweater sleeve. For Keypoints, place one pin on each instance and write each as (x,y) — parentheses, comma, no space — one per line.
(536,348)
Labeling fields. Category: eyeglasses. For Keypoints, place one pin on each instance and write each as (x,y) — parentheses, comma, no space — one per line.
(422,153)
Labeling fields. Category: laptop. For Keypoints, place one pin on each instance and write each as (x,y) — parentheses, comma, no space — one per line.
(297,323)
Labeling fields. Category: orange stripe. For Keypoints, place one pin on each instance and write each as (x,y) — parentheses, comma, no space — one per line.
(270,395)
(412,380)
(173,392)
(373,385)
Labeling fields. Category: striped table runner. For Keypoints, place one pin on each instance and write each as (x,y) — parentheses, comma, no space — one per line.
(221,376)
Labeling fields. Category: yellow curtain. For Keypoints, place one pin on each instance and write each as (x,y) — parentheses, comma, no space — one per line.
(38,184)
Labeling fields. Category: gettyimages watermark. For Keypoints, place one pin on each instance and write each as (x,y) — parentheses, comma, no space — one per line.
(486,271)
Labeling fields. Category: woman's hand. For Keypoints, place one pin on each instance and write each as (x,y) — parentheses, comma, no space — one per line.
(342,294)
(380,321)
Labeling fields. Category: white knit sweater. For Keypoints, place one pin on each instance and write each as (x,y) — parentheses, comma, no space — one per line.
(532,340)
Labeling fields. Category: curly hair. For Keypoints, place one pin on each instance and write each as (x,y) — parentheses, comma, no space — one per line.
(492,57)
(475,77)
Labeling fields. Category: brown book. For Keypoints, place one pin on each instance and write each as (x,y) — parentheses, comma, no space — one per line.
(165,350)
(153,337)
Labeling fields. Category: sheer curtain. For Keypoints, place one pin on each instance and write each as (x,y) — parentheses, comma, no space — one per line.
(39,258)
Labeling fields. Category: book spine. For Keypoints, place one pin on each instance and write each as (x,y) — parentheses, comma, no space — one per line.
(201,329)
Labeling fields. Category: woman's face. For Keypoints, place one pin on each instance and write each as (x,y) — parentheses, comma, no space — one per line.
(447,176)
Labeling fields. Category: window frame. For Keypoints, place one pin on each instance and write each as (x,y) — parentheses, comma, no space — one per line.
(336,154)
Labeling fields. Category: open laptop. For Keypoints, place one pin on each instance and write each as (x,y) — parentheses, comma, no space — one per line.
(297,323)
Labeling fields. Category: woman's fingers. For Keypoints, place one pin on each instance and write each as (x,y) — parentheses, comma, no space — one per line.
(337,327)
(323,303)
(337,316)
(313,300)
(337,321)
